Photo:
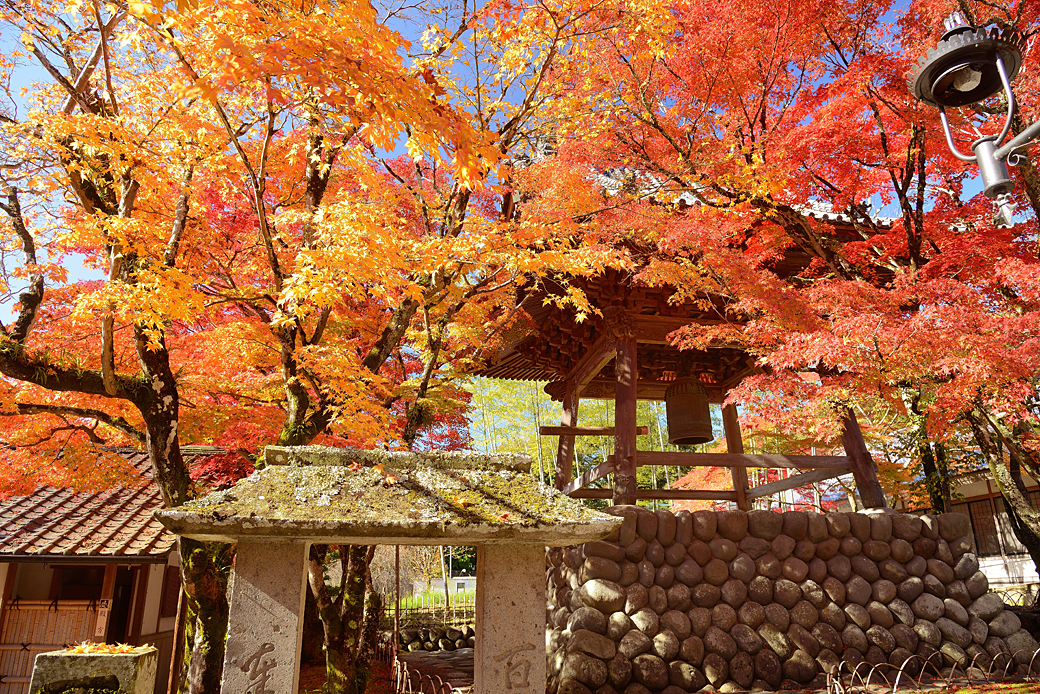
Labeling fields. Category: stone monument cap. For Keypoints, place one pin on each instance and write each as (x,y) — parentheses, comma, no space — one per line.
(349,496)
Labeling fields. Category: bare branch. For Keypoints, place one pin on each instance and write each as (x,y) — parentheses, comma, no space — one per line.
(180,220)
(29,300)
(63,411)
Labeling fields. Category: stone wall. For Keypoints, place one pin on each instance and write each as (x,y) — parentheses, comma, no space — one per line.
(672,602)
(437,638)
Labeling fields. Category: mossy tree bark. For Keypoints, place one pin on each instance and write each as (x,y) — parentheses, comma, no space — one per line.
(205,569)
(936,473)
(993,438)
(350,613)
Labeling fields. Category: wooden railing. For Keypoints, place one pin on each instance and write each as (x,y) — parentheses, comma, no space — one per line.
(431,612)
(821,467)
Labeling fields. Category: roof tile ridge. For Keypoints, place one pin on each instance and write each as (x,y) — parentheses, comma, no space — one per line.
(88,497)
(98,498)
(122,506)
(161,532)
(143,519)
(27,499)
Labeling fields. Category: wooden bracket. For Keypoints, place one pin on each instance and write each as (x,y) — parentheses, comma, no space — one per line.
(795,481)
(598,356)
(590,476)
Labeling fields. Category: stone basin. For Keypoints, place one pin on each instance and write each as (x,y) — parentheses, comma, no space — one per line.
(132,672)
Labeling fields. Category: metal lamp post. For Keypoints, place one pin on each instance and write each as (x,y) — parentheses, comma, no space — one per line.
(968,65)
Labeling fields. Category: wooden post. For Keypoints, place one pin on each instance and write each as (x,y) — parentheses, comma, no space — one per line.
(864,469)
(735,444)
(140,593)
(625,421)
(108,587)
(397,597)
(565,451)
(180,625)
(9,572)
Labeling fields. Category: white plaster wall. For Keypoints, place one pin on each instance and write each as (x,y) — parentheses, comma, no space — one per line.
(1017,570)
(33,582)
(153,597)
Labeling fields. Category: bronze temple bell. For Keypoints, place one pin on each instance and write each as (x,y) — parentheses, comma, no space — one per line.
(688,412)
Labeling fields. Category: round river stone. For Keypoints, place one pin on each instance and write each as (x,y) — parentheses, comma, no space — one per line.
(605,596)
(837,524)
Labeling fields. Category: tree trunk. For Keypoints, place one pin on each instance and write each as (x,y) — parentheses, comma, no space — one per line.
(343,617)
(1025,521)
(932,480)
(943,467)
(369,636)
(341,672)
(936,472)
(205,568)
(1029,539)
(1017,505)
(159,403)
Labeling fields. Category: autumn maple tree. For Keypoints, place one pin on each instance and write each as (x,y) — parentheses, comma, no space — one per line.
(275,271)
(112,159)
(309,219)
(772,155)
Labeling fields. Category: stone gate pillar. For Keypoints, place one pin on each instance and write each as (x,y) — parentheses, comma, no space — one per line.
(510,646)
(265,625)
(349,497)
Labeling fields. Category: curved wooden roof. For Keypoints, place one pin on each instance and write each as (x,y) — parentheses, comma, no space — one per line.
(557,341)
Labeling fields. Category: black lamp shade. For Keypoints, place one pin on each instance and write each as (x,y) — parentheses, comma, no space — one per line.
(962,68)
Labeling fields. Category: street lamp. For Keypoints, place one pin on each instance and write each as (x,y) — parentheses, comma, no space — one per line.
(968,65)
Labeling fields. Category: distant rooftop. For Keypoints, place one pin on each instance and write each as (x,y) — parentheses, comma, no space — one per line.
(56,524)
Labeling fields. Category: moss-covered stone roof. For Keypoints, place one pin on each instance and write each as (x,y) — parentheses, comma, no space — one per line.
(456,460)
(344,496)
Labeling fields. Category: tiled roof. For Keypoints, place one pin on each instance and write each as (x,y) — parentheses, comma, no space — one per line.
(60,523)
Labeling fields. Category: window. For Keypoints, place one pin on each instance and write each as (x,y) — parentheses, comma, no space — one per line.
(992,532)
(984,526)
(460,587)
(81,582)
